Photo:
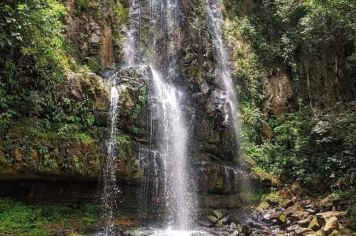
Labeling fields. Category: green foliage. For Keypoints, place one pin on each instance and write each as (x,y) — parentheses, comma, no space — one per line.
(122,139)
(142,99)
(81,5)
(317,151)
(121,13)
(22,219)
(309,146)
(35,62)
(31,45)
(294,24)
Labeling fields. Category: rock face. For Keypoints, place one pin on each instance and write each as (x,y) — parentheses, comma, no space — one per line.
(279,93)
(95,34)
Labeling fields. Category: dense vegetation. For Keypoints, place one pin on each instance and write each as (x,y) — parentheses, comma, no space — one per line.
(313,139)
(46,96)
(35,61)
(46,219)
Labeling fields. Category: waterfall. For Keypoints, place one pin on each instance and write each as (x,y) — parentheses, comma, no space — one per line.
(130,44)
(223,70)
(224,79)
(168,155)
(173,149)
(172,129)
(111,190)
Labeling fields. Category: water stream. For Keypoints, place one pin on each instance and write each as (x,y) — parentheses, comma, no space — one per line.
(111,191)
(173,150)
(223,70)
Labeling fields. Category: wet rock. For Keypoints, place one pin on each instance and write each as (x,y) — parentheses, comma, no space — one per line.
(282,233)
(225,220)
(206,223)
(335,233)
(294,209)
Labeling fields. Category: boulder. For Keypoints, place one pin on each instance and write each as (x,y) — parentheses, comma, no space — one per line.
(330,225)
(213,219)
(304,222)
(314,224)
(206,223)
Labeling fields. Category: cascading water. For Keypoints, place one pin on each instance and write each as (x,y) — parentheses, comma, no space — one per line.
(179,199)
(223,76)
(223,70)
(130,45)
(173,150)
(169,155)
(111,190)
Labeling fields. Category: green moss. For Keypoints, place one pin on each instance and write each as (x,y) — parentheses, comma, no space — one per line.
(142,100)
(121,13)
(261,174)
(251,197)
(273,198)
(122,139)
(85,138)
(93,64)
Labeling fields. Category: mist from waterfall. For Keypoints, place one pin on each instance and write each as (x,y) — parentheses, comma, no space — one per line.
(223,70)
